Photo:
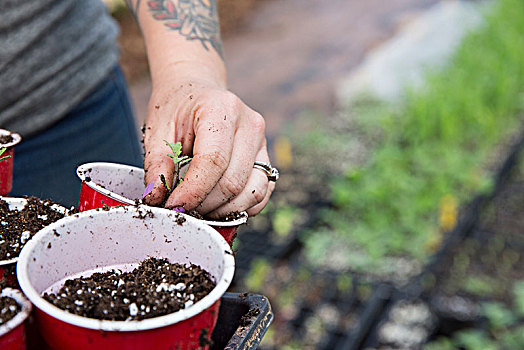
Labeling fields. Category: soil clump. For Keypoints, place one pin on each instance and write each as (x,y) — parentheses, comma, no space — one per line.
(8,309)
(5,139)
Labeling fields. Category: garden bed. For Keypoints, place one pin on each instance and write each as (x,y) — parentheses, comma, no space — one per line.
(277,232)
(422,161)
(479,285)
(399,186)
(471,296)
(314,309)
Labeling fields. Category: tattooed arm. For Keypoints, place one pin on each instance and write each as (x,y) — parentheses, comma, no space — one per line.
(191,104)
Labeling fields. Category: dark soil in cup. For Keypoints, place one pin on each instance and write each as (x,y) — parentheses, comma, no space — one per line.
(5,139)
(155,288)
(18,226)
(8,309)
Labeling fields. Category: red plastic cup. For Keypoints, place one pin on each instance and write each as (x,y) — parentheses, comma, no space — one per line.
(12,333)
(6,165)
(101,240)
(8,266)
(118,184)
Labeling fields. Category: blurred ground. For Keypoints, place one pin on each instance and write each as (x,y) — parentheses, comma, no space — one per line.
(286,56)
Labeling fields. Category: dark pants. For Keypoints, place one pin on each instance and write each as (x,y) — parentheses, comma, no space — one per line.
(100,128)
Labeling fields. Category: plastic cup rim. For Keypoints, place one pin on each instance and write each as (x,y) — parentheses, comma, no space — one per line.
(81,173)
(16,138)
(14,200)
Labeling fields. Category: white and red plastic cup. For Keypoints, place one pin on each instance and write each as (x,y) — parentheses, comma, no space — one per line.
(8,266)
(6,165)
(101,240)
(114,184)
(13,332)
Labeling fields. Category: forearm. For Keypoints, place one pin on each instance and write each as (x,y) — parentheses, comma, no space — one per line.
(182,39)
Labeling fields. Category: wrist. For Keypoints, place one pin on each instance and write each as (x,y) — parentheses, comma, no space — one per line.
(212,75)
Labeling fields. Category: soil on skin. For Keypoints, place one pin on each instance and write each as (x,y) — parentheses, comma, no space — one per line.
(155,288)
(18,226)
(4,139)
(8,309)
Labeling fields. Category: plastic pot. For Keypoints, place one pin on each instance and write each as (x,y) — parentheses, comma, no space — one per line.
(12,333)
(118,184)
(8,266)
(101,240)
(6,165)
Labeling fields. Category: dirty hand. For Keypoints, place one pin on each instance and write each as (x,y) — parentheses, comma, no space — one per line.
(224,137)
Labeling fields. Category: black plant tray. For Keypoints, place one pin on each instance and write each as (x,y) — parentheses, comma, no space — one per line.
(374,310)
(243,320)
(468,220)
(469,226)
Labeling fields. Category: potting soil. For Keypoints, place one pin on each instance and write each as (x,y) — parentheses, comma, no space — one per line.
(5,139)
(155,288)
(8,309)
(18,226)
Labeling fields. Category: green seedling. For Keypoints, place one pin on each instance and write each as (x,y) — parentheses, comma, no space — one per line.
(2,150)
(179,162)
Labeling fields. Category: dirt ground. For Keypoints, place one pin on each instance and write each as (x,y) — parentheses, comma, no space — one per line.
(285,57)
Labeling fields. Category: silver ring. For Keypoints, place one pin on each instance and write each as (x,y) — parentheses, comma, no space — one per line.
(271,172)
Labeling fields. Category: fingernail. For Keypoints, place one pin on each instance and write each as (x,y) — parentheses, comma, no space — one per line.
(179,210)
(148,189)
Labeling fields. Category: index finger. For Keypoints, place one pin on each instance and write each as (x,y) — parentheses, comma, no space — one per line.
(211,155)
(157,164)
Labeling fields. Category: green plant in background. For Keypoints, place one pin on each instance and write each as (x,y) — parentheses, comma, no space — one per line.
(344,283)
(499,315)
(116,7)
(472,339)
(284,220)
(479,285)
(260,268)
(2,150)
(439,143)
(518,294)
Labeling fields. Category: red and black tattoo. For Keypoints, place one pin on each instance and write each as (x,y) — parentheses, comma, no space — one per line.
(193,19)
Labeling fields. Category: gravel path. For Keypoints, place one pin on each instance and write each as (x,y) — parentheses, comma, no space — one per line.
(290,55)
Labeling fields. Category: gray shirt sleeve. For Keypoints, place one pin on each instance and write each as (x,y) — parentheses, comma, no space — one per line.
(52,54)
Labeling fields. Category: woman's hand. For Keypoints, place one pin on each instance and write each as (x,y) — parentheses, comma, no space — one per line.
(190,104)
(224,137)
